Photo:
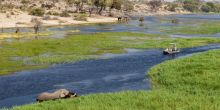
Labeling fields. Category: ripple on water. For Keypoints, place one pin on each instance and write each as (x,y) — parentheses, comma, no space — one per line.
(111,55)
(188,35)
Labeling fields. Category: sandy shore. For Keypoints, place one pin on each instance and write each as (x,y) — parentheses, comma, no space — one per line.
(24,20)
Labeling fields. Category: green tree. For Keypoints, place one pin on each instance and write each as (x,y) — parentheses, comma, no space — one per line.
(155,4)
(212,6)
(206,8)
(100,4)
(191,5)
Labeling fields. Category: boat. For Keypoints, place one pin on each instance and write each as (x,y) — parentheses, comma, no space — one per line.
(170,52)
(173,50)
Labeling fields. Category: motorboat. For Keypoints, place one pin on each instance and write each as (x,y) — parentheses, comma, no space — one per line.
(172,50)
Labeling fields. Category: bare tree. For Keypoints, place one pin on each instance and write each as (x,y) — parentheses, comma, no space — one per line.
(155,4)
(37,25)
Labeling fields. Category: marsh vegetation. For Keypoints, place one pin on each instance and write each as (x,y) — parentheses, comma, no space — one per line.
(37,53)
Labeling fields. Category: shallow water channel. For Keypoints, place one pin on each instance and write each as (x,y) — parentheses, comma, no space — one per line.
(110,73)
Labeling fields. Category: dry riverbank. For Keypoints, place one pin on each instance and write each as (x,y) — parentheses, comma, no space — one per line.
(24,20)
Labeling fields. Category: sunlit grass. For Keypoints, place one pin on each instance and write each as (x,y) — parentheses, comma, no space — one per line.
(23,35)
(201,28)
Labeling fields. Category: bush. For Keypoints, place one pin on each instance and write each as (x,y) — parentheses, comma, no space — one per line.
(81,17)
(213,7)
(155,4)
(9,6)
(37,12)
(25,1)
(116,4)
(191,6)
(206,8)
(210,4)
(128,6)
(172,7)
(53,13)
(217,8)
(65,14)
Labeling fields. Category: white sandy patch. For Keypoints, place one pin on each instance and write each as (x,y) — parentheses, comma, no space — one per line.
(24,20)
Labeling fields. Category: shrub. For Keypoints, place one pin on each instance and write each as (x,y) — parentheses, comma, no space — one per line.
(53,13)
(116,4)
(25,1)
(9,6)
(206,8)
(37,12)
(213,7)
(217,8)
(155,4)
(65,14)
(128,6)
(81,17)
(210,4)
(191,6)
(172,7)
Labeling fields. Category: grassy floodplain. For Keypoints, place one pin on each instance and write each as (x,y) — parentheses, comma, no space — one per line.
(23,35)
(21,55)
(190,83)
(199,28)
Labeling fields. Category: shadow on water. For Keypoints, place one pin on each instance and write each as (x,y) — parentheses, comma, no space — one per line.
(109,74)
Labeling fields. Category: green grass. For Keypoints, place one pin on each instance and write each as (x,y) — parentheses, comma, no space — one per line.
(24,35)
(21,55)
(190,83)
(199,28)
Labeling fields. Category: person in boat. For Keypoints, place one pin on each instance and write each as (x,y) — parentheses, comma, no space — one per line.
(174,48)
(168,49)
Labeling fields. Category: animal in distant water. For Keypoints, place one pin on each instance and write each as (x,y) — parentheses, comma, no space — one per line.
(123,19)
(59,94)
(141,19)
(119,19)
(175,21)
(126,19)
(17,30)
